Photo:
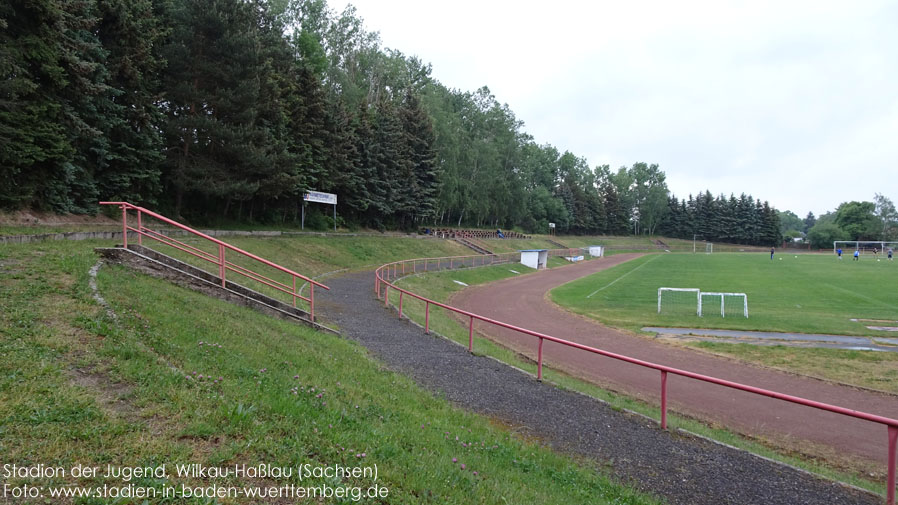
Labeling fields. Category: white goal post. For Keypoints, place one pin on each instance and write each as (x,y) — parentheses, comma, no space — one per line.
(863,246)
(696,294)
(709,247)
(684,298)
(738,301)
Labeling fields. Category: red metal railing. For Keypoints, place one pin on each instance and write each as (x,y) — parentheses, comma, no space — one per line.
(391,271)
(220,259)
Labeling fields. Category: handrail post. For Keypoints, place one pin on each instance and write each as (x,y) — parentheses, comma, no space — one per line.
(139,229)
(312,301)
(221,264)
(539,361)
(471,335)
(387,295)
(890,481)
(294,291)
(426,317)
(663,400)
(124,226)
(400,304)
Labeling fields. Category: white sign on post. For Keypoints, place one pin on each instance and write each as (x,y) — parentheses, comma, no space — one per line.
(551,225)
(319,197)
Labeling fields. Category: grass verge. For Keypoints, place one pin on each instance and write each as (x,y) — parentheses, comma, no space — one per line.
(182,378)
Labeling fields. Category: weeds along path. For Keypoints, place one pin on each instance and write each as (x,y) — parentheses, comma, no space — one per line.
(522,301)
(680,468)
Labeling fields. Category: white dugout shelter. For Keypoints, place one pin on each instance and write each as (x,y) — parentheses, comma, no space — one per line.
(535,258)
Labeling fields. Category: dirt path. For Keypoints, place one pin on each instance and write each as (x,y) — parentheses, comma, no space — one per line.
(522,301)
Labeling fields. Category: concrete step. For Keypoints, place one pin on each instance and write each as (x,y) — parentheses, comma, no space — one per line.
(473,246)
(160,265)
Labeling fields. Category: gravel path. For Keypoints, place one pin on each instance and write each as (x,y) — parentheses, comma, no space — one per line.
(680,468)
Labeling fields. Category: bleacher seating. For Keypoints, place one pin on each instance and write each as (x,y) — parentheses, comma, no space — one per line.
(469,233)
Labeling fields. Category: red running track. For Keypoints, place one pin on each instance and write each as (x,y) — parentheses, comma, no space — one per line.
(522,301)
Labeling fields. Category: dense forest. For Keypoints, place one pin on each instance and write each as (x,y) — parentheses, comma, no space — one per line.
(232,109)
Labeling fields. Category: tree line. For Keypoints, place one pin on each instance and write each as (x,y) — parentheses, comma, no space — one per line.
(741,220)
(233,109)
(861,221)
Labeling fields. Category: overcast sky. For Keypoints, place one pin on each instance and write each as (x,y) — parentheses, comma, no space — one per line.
(792,102)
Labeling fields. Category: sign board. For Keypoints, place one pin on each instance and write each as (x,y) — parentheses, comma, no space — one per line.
(551,225)
(319,197)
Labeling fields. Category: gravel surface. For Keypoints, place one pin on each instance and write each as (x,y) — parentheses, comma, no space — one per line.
(680,468)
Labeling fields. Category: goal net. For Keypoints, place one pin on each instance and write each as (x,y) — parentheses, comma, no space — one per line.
(709,248)
(864,247)
(683,301)
(688,301)
(730,304)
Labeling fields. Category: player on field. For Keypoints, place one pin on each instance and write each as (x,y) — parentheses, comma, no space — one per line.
(890,254)
(771,253)
(856,255)
(839,252)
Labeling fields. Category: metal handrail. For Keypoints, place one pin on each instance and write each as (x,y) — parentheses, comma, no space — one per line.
(223,264)
(891,424)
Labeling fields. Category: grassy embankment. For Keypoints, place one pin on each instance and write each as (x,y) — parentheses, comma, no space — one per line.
(78,387)
(440,286)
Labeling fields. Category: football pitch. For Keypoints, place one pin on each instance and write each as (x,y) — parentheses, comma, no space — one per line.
(809,293)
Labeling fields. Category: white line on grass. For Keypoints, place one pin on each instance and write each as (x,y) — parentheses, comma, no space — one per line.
(621,277)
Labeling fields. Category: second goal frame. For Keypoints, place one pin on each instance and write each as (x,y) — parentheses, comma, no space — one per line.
(723,297)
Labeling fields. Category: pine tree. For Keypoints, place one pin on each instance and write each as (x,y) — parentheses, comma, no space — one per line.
(218,107)
(131,33)
(618,223)
(419,140)
(51,105)
(392,166)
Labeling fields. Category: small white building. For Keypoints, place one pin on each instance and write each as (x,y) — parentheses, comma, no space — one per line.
(596,251)
(535,258)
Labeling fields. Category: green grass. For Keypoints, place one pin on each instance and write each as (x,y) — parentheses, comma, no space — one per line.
(875,370)
(76,386)
(440,287)
(308,255)
(807,293)
(15,229)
